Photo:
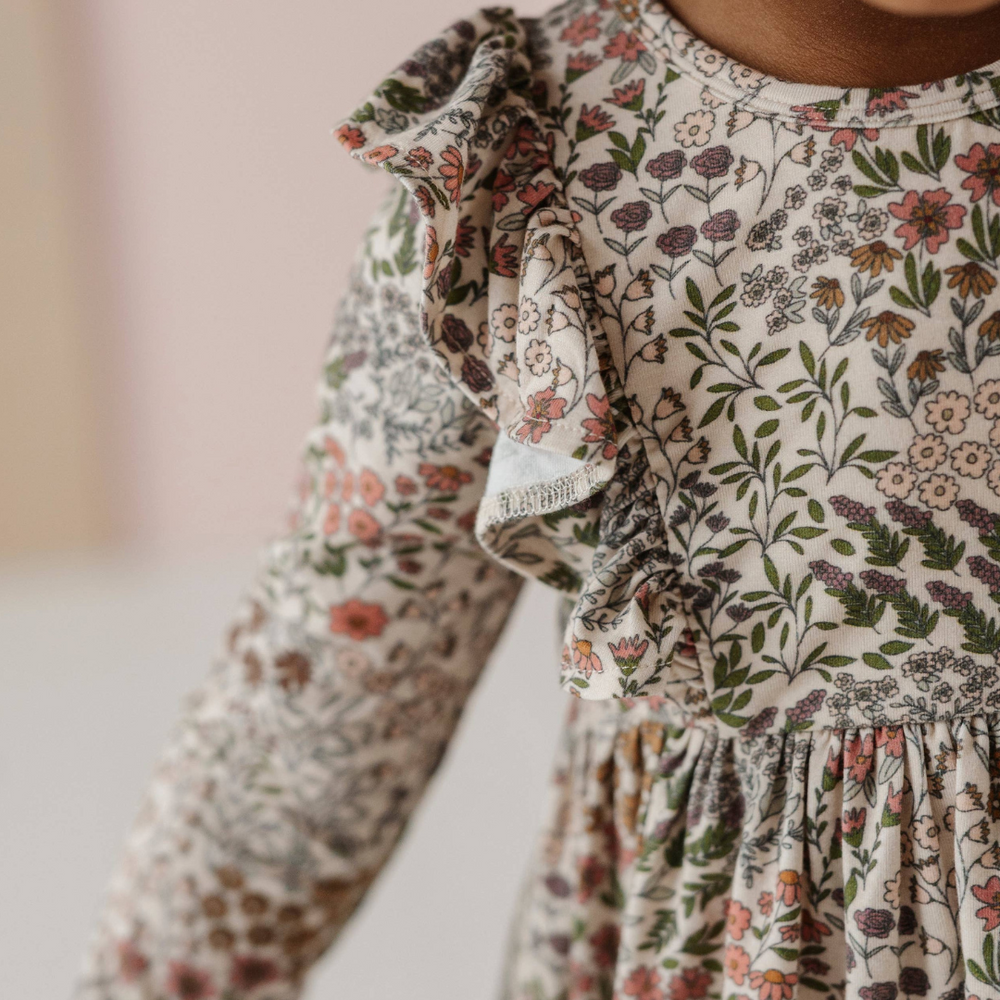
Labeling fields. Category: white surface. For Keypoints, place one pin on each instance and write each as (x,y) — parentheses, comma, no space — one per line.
(93,661)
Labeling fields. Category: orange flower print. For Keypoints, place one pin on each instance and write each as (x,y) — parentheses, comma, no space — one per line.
(789,887)
(926,365)
(364,527)
(584,657)
(887,326)
(773,984)
(446,478)
(988,893)
(419,158)
(737,963)
(453,172)
(358,620)
(970,278)
(370,487)
(737,919)
(874,257)
(643,984)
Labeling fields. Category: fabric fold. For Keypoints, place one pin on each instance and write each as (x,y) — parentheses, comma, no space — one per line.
(508,307)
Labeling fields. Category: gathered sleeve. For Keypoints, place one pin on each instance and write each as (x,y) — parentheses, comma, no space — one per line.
(297,763)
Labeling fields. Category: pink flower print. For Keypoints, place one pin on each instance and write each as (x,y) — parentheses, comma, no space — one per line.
(370,487)
(737,919)
(600,427)
(543,407)
(352,137)
(592,874)
(884,102)
(532,195)
(989,893)
(625,45)
(847,137)
(132,963)
(582,29)
(789,887)
(446,478)
(690,984)
(927,217)
(983,167)
(890,738)
(765,903)
(642,984)
(453,172)
(858,758)
(364,527)
(736,964)
(357,620)
(379,154)
(629,652)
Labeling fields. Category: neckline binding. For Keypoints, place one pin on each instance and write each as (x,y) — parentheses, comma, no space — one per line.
(818,105)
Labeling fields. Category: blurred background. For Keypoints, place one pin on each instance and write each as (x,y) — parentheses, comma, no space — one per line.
(176,225)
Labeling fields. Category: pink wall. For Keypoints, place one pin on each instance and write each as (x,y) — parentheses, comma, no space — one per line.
(221,221)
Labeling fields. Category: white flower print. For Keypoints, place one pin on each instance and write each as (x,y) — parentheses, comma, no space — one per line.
(926,832)
(971,459)
(993,478)
(872,223)
(938,491)
(528,317)
(896,480)
(695,128)
(987,399)
(744,77)
(995,435)
(538,357)
(948,412)
(795,197)
(708,60)
(503,322)
(710,99)
(927,452)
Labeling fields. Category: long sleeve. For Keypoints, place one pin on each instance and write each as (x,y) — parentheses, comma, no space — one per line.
(297,763)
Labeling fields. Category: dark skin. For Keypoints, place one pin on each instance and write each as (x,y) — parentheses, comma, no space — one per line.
(850,43)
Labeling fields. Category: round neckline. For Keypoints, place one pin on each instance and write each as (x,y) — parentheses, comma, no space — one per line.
(819,105)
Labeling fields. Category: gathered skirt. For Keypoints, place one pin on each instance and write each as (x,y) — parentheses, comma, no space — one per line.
(677,863)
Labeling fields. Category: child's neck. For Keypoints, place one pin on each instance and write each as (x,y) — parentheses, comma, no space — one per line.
(843,42)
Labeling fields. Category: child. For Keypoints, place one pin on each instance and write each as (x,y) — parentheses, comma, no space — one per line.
(716,355)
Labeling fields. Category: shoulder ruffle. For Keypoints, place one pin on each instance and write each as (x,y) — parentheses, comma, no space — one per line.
(508,305)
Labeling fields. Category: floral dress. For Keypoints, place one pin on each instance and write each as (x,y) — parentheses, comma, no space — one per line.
(718,357)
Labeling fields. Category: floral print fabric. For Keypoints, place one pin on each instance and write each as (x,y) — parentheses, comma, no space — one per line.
(716,355)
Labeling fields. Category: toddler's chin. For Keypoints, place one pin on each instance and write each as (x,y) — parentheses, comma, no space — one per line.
(933,8)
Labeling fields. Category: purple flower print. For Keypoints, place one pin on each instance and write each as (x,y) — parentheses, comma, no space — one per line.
(632,216)
(834,577)
(951,597)
(721,227)
(714,162)
(667,166)
(678,241)
(875,923)
(601,176)
(856,513)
